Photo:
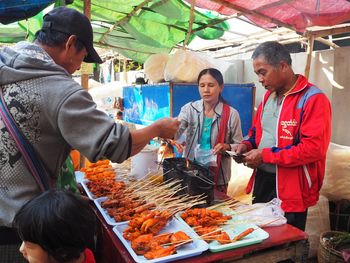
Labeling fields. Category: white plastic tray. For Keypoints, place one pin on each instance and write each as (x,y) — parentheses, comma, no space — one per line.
(189,250)
(110,220)
(79,176)
(86,189)
(257,236)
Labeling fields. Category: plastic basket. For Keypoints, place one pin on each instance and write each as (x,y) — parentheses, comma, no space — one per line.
(326,254)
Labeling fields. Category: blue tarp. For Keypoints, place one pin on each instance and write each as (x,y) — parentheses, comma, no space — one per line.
(15,10)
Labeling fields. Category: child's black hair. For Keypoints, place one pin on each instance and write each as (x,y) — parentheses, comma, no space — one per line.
(62,223)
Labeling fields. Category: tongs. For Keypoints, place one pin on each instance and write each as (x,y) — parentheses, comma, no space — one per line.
(204,179)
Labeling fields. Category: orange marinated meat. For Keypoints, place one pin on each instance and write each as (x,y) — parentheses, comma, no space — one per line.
(243,234)
(159,251)
(163,238)
(192,221)
(141,244)
(178,237)
(223,238)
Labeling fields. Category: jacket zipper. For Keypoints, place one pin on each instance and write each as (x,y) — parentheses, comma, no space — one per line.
(278,119)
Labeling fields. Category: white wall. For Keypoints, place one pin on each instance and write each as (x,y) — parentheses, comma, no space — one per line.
(321,72)
(341,97)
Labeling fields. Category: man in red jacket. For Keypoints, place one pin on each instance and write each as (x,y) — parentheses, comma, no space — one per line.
(289,138)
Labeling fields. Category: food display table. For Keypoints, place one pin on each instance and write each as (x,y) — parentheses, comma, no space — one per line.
(284,242)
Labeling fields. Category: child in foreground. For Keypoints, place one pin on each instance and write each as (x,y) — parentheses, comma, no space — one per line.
(56,226)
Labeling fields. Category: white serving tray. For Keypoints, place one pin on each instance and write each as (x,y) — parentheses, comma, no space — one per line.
(195,248)
(110,220)
(79,176)
(86,189)
(257,236)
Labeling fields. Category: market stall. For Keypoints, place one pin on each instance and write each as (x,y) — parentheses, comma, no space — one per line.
(248,238)
(280,242)
(284,242)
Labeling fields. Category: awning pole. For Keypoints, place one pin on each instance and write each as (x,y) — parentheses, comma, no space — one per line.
(85,77)
(190,24)
(87,12)
(310,48)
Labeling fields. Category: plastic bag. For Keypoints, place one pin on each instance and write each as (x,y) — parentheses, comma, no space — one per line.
(205,157)
(240,175)
(154,67)
(263,214)
(336,182)
(184,66)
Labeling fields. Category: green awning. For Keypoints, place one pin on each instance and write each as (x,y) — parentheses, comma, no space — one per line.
(136,29)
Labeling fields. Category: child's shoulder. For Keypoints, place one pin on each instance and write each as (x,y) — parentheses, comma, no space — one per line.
(89,256)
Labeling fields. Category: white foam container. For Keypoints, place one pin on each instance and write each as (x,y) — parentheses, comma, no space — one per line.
(144,162)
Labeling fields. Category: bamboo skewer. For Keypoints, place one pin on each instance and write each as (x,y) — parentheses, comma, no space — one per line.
(225,203)
(270,222)
(246,210)
(182,242)
(200,237)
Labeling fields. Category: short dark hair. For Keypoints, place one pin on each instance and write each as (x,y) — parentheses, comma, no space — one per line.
(54,38)
(62,223)
(216,74)
(273,53)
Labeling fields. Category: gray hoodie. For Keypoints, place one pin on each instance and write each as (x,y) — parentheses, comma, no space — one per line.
(192,115)
(55,114)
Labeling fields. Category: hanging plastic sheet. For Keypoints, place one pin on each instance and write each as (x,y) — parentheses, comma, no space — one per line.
(15,10)
(299,14)
(155,28)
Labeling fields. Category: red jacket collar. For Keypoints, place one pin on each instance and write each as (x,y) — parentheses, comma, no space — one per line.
(300,85)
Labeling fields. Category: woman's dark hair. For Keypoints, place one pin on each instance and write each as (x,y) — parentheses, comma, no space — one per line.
(61,222)
(216,74)
(54,38)
(273,53)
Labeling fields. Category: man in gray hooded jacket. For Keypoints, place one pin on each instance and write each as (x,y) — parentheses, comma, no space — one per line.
(55,114)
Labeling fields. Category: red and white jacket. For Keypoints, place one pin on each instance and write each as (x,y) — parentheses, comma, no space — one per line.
(302,137)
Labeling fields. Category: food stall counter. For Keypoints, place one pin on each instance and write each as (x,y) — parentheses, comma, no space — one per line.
(284,242)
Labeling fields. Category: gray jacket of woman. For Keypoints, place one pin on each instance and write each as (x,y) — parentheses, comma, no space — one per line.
(192,116)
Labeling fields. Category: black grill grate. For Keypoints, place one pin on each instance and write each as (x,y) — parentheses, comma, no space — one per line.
(197,178)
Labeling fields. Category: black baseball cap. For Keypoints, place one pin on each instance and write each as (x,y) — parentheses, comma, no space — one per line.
(72,22)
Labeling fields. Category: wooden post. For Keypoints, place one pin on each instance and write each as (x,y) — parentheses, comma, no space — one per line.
(190,23)
(85,77)
(171,86)
(310,47)
(125,74)
(87,12)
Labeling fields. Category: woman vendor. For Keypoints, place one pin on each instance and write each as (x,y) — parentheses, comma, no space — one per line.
(212,127)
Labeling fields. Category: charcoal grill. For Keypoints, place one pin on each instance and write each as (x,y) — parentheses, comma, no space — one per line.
(196,178)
